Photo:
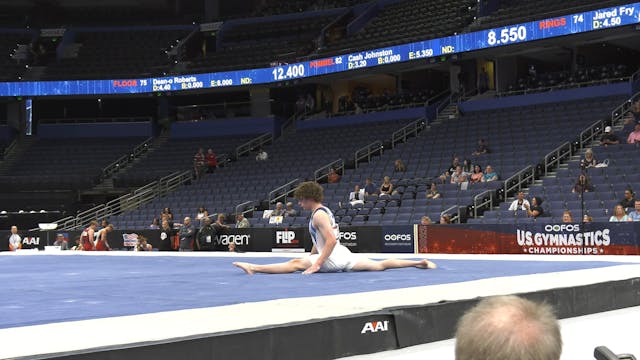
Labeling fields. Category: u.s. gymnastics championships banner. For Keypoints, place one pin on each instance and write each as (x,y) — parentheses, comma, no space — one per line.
(546,239)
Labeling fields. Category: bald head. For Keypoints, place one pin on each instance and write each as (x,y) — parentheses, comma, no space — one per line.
(508,328)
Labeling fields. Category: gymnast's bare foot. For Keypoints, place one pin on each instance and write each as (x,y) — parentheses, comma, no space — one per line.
(426,264)
(245,266)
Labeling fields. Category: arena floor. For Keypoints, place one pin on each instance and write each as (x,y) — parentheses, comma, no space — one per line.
(142,297)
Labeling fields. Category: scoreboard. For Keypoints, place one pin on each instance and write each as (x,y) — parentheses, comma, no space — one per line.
(535,30)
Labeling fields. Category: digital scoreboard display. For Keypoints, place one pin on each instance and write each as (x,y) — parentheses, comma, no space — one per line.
(508,35)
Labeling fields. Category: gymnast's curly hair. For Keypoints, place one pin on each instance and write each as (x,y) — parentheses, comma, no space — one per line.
(309,190)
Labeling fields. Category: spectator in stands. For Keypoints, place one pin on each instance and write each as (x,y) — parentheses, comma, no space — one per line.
(15,241)
(483,81)
(634,136)
(198,163)
(520,203)
(369,187)
(629,199)
(142,244)
(279,210)
(155,224)
(290,210)
(433,192)
(399,166)
(444,178)
(567,218)
(356,197)
(619,215)
(242,222)
(62,242)
(309,104)
(589,160)
(489,174)
(467,168)
(506,328)
(102,243)
(205,240)
(187,234)
(425,220)
(582,185)
(262,155)
(166,236)
(587,218)
(386,189)
(458,176)
(445,219)
(212,160)
(609,138)
(635,214)
(476,175)
(333,176)
(535,210)
(166,214)
(220,226)
(201,215)
(482,148)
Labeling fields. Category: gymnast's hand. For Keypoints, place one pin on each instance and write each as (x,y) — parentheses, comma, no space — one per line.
(313,269)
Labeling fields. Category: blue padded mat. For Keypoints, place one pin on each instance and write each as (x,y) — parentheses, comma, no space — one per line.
(46,289)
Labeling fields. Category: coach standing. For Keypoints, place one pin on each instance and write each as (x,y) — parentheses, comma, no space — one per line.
(15,241)
(187,234)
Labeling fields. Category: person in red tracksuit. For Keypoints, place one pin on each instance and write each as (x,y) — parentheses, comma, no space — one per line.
(101,243)
(87,238)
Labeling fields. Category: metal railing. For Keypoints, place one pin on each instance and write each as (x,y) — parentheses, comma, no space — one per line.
(590,133)
(621,111)
(291,120)
(128,201)
(411,129)
(481,200)
(245,208)
(554,158)
(6,151)
(323,172)
(124,160)
(253,144)
(454,212)
(96,120)
(520,179)
(283,191)
(572,85)
(367,151)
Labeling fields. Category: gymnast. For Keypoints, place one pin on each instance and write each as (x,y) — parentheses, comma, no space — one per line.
(327,254)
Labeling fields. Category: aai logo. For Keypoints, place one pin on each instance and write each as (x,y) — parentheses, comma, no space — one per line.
(375,326)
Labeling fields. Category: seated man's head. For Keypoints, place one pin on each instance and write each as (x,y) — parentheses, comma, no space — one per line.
(368,181)
(279,206)
(289,205)
(356,188)
(520,195)
(628,194)
(239,217)
(187,221)
(309,194)
(489,169)
(636,205)
(567,217)
(506,328)
(425,220)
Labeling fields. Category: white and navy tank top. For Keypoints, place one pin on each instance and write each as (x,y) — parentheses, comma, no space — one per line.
(316,237)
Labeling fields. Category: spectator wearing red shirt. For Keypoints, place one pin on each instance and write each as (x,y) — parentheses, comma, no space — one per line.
(198,163)
(212,160)
(333,176)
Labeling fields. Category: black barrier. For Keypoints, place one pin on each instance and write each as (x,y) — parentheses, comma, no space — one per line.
(358,239)
(387,329)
